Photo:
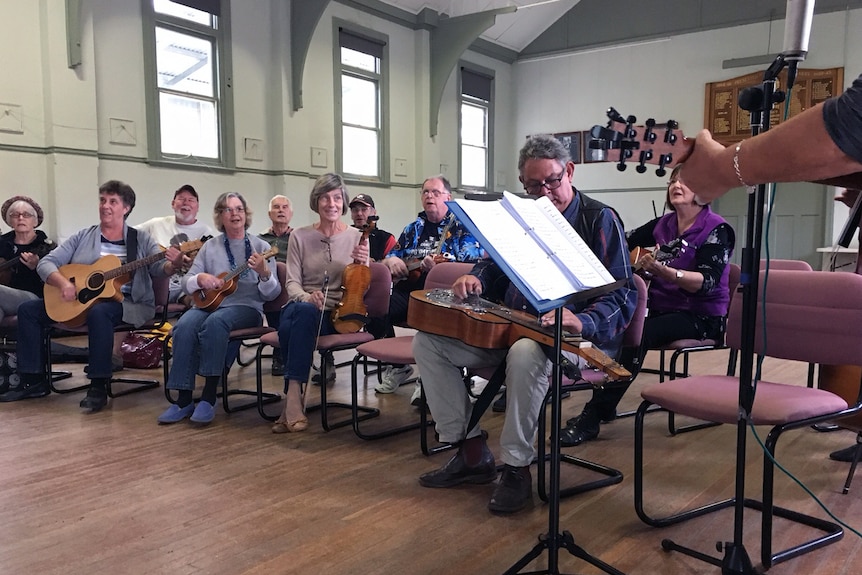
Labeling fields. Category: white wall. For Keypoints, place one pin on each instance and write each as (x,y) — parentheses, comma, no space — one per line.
(664,80)
(65,150)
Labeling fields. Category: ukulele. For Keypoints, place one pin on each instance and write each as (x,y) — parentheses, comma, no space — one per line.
(414,266)
(350,315)
(98,281)
(663,255)
(660,144)
(7,265)
(210,299)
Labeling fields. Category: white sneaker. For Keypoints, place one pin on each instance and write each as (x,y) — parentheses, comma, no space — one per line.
(393,378)
(416,398)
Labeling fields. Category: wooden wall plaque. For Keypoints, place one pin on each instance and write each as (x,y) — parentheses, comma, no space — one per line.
(730,124)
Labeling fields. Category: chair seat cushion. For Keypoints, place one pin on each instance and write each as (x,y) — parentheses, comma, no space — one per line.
(343,340)
(250,332)
(691,343)
(397,350)
(716,398)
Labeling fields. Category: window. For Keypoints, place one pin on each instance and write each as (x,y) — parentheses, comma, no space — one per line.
(476,122)
(361,111)
(188,101)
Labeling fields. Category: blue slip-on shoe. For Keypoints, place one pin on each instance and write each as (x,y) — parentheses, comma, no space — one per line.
(175,413)
(204,413)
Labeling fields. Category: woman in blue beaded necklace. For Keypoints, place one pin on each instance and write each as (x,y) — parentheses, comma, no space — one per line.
(200,337)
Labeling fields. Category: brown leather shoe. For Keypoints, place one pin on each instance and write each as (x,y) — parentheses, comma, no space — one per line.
(456,471)
(513,492)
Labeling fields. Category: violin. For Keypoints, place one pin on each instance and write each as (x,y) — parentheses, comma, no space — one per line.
(351,315)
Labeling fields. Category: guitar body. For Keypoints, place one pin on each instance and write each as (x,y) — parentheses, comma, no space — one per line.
(90,286)
(210,299)
(490,326)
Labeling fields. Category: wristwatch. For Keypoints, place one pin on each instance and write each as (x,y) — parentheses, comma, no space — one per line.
(680,274)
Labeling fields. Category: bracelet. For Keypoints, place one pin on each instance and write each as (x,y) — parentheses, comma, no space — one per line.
(736,167)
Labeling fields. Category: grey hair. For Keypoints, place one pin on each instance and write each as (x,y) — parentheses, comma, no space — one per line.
(443,179)
(281,197)
(221,204)
(325,184)
(20,206)
(543,147)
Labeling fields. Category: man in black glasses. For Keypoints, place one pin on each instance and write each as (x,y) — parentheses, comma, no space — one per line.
(545,170)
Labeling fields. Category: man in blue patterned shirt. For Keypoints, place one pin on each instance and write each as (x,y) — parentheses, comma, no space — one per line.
(435,234)
(545,169)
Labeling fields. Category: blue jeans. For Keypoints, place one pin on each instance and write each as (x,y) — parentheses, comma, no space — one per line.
(33,323)
(297,337)
(199,342)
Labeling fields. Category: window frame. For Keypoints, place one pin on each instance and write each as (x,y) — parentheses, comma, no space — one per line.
(219,36)
(382,80)
(479,102)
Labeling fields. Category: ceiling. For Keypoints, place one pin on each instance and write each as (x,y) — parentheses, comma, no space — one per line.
(514,31)
(547,26)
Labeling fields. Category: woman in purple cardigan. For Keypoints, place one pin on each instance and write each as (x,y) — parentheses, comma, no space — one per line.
(686,267)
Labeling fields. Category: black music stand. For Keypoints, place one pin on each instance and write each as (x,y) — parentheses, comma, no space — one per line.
(758,100)
(554,540)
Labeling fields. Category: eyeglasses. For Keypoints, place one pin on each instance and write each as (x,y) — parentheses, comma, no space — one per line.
(237,210)
(15,215)
(549,183)
(434,193)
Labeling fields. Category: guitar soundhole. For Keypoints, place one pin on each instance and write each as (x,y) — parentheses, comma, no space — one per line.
(95,280)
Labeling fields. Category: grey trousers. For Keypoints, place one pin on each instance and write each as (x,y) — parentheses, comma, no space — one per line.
(440,360)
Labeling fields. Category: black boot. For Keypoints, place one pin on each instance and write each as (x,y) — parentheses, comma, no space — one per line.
(584,427)
(513,492)
(32,385)
(97,395)
(456,470)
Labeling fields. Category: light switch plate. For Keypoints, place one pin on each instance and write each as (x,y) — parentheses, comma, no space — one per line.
(252,149)
(400,167)
(123,132)
(11,119)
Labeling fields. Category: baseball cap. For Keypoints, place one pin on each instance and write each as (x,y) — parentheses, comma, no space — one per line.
(362,199)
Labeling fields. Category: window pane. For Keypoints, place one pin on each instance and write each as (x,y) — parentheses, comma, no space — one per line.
(473,125)
(473,167)
(184,63)
(189,127)
(358,101)
(359,151)
(360,60)
(184,12)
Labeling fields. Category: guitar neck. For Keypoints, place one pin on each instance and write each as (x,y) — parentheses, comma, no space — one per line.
(9,263)
(244,266)
(132,266)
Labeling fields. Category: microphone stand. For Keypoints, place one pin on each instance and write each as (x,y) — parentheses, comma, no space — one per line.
(553,540)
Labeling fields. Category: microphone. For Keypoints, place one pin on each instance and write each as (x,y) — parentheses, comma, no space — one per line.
(797,30)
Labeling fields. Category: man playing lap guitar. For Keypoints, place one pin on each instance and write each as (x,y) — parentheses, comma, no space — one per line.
(135,304)
(545,169)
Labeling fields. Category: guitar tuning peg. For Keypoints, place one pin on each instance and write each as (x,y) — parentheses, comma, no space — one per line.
(649,134)
(645,156)
(669,136)
(614,116)
(663,161)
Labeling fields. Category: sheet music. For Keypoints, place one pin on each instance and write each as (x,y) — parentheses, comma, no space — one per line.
(535,245)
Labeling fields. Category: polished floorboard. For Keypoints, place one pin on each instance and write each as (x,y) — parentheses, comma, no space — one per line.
(113,492)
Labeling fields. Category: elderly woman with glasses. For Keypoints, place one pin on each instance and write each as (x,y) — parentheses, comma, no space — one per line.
(21,249)
(200,337)
(316,258)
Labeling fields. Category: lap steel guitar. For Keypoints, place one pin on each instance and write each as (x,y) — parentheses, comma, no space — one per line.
(481,323)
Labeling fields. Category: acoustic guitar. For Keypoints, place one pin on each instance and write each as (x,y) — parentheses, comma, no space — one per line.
(662,144)
(210,299)
(414,265)
(481,323)
(97,281)
(664,254)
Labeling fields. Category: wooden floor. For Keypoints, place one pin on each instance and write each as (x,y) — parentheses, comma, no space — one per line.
(113,492)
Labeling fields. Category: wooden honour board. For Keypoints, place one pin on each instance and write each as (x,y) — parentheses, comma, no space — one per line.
(730,124)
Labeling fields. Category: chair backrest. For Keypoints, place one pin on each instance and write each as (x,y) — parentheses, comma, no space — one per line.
(796,265)
(815,317)
(377,297)
(444,274)
(635,330)
(161,291)
(281,300)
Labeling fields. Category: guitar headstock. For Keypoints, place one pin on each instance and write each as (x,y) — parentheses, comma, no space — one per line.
(622,141)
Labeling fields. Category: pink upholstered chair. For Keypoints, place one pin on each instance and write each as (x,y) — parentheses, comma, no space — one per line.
(813,317)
